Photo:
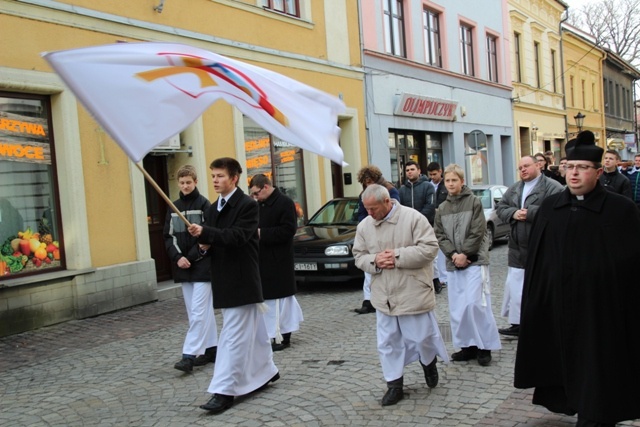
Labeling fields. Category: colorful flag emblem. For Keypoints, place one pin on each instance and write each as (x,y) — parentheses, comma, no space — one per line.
(144,93)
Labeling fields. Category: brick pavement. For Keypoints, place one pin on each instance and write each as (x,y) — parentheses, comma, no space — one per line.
(117,369)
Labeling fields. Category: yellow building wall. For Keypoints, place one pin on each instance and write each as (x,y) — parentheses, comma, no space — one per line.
(583,63)
(105,166)
(107,177)
(538,107)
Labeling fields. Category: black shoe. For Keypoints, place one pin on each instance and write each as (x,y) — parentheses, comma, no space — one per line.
(431,373)
(366,308)
(185,364)
(437,286)
(392,396)
(279,347)
(512,331)
(466,353)
(218,403)
(209,356)
(484,357)
(394,392)
(273,379)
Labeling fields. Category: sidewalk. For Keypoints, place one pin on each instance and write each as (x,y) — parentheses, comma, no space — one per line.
(117,370)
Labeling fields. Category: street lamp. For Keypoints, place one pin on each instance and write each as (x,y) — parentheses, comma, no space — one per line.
(579,118)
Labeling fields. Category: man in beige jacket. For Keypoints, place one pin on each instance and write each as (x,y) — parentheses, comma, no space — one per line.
(397,246)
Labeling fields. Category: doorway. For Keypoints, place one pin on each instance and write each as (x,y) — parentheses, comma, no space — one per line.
(156,166)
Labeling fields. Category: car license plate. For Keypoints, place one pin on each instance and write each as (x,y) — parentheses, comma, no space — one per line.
(305,266)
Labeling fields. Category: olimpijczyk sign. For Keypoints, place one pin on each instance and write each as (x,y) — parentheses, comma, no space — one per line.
(426,107)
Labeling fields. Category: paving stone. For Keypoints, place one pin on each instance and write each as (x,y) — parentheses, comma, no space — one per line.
(117,369)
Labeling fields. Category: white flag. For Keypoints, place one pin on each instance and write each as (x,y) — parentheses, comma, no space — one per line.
(144,93)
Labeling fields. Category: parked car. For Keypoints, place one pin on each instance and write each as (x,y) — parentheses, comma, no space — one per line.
(490,195)
(322,247)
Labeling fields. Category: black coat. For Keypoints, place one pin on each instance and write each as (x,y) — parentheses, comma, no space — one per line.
(233,236)
(580,319)
(179,243)
(616,182)
(441,193)
(420,196)
(277,227)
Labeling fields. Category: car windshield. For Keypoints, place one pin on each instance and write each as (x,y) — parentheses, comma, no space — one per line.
(337,212)
(484,195)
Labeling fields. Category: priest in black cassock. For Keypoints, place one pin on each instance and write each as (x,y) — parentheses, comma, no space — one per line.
(580,319)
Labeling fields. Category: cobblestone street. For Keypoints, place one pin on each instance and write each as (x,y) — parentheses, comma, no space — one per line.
(117,370)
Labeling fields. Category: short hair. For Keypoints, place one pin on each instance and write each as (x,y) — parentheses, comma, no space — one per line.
(188,170)
(377,191)
(563,158)
(412,163)
(372,172)
(453,168)
(433,166)
(231,165)
(533,158)
(613,152)
(541,155)
(260,180)
(637,155)
(548,153)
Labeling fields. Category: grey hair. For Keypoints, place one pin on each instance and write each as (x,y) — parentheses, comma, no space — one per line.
(376,191)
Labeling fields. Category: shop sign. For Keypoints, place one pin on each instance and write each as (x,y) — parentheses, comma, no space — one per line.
(32,152)
(256,144)
(630,139)
(426,107)
(24,139)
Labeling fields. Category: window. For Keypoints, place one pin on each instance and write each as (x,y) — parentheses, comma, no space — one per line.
(611,101)
(492,58)
(431,24)
(554,74)
(536,58)
(466,50)
(394,28)
(30,229)
(584,94)
(572,92)
(278,160)
(476,165)
(518,64)
(593,96)
(289,7)
(605,92)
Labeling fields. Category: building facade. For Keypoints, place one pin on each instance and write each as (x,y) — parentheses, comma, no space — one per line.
(65,184)
(438,87)
(583,68)
(619,82)
(538,96)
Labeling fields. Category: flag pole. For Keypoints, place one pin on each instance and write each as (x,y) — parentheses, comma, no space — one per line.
(161,193)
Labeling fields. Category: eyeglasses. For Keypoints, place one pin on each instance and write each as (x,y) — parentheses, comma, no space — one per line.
(581,168)
(255,193)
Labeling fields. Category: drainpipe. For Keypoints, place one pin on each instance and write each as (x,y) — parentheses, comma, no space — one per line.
(364,84)
(564,91)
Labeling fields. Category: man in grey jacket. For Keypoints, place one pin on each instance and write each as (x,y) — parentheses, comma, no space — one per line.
(518,207)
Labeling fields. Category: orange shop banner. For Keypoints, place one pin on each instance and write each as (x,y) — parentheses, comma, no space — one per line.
(31,152)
